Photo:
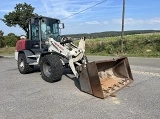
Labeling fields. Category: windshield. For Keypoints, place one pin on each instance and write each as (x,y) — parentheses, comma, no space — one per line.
(50,28)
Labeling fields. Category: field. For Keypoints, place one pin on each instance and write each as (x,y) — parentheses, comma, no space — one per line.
(138,45)
(144,45)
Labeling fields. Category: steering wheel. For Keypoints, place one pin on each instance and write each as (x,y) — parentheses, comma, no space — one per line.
(48,33)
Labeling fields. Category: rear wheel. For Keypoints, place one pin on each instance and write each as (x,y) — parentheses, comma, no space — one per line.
(51,68)
(23,66)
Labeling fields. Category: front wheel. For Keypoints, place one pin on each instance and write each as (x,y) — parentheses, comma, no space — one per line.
(23,66)
(51,68)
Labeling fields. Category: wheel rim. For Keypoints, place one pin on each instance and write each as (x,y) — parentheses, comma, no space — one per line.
(21,64)
(47,69)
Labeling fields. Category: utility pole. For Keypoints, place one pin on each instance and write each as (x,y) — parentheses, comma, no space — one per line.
(122,32)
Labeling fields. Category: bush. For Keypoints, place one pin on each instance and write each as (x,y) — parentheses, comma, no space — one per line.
(10,40)
(1,42)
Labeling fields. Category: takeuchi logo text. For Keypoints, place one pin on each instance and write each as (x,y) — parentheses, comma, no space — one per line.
(58,45)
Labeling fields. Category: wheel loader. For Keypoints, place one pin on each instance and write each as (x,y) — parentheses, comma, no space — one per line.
(44,46)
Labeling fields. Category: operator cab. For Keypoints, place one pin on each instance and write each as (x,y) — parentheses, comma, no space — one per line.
(41,28)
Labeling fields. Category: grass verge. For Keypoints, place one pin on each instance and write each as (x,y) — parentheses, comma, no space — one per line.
(140,45)
(7,50)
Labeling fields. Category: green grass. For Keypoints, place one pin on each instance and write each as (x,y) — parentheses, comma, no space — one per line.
(7,50)
(140,45)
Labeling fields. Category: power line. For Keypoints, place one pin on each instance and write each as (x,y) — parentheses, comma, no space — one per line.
(85,9)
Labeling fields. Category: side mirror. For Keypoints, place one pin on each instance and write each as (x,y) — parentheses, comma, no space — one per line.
(61,26)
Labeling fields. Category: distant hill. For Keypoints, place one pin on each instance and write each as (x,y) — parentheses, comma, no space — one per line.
(111,33)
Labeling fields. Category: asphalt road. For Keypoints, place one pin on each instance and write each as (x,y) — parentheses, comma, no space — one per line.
(29,97)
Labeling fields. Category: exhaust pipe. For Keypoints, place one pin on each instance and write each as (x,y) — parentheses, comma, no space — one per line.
(103,78)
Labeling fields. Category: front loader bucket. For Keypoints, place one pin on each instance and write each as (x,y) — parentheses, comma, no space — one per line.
(103,78)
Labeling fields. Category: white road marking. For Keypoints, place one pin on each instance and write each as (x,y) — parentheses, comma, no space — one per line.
(146,73)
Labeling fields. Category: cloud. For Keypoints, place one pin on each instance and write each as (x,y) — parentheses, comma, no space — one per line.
(154,21)
(131,21)
(5,10)
(105,22)
(66,8)
(92,22)
(45,6)
(63,8)
(128,21)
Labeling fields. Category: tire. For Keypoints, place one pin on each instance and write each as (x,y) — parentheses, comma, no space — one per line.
(51,68)
(23,66)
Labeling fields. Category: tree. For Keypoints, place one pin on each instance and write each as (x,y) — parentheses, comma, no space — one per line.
(1,33)
(11,34)
(1,43)
(10,41)
(19,16)
(1,39)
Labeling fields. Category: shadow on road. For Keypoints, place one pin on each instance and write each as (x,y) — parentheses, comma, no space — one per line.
(36,69)
(76,81)
(65,72)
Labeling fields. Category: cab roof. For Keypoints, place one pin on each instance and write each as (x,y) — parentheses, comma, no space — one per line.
(40,17)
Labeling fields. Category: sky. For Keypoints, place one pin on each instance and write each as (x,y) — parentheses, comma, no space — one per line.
(139,14)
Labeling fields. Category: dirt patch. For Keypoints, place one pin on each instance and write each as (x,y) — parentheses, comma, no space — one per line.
(110,83)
